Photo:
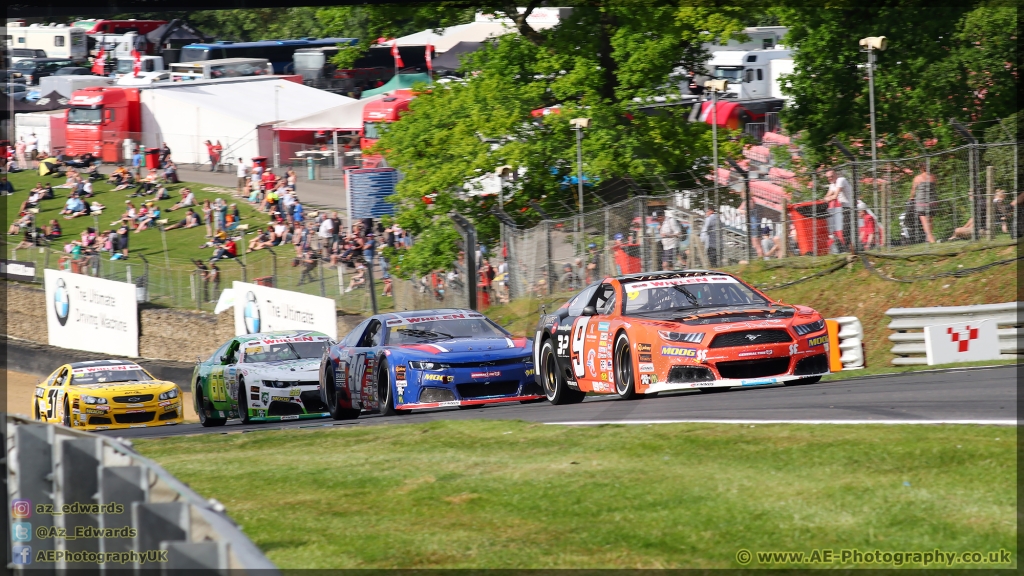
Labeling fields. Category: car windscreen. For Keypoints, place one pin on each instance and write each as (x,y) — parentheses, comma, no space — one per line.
(108,374)
(283,351)
(194,54)
(675,294)
(728,73)
(85,116)
(25,64)
(443,330)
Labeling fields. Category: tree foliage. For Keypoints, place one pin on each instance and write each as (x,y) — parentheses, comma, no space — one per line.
(943,60)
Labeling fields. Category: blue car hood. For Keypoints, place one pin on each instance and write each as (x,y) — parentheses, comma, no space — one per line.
(466,349)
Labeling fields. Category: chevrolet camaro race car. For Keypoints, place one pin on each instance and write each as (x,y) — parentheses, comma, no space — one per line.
(402,361)
(660,331)
(106,395)
(261,378)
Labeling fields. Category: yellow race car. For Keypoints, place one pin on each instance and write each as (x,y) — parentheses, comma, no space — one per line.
(105,395)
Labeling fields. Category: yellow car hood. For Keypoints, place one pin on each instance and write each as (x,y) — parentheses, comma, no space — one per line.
(109,388)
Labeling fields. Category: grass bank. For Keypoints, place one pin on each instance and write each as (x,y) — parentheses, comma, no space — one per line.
(492,494)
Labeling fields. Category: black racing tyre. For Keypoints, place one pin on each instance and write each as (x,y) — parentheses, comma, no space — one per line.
(625,382)
(710,390)
(35,412)
(553,382)
(67,413)
(242,399)
(534,401)
(384,392)
(802,381)
(201,406)
(337,412)
(471,407)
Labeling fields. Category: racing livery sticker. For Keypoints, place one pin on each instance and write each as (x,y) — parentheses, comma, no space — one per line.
(643,358)
(679,351)
(641,347)
(817,340)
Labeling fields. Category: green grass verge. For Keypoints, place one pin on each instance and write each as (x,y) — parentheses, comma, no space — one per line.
(509,494)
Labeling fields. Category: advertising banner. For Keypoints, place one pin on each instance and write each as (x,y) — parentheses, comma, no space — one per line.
(92,314)
(962,342)
(263,309)
(15,270)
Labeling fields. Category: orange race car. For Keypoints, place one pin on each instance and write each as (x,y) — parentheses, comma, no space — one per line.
(658,331)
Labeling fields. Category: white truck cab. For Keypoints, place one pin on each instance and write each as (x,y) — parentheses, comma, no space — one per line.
(748,72)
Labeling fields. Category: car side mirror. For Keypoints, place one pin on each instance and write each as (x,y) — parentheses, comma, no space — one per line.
(225,359)
(589,311)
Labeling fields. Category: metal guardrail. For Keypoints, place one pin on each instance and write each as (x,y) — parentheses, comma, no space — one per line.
(909,346)
(133,513)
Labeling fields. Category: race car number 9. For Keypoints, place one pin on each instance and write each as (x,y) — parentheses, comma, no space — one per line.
(578,333)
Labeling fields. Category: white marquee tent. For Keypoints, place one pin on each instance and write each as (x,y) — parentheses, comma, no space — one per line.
(346,117)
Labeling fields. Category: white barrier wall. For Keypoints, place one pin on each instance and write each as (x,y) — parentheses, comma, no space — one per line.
(263,309)
(92,314)
(962,342)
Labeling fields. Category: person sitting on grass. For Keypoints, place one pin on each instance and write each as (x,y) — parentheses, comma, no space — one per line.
(262,240)
(218,239)
(118,176)
(34,197)
(228,250)
(964,232)
(96,208)
(191,220)
(359,278)
(162,193)
(151,216)
(72,179)
(24,221)
(74,208)
(53,231)
(187,199)
(147,185)
(127,181)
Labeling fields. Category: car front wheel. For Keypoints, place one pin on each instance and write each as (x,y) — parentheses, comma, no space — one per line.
(243,402)
(204,409)
(331,395)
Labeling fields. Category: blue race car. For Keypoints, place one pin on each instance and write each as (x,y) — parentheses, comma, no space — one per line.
(397,362)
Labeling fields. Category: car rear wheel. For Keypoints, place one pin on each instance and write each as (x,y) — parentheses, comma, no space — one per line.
(67,414)
(331,394)
(555,387)
(204,409)
(625,383)
(243,402)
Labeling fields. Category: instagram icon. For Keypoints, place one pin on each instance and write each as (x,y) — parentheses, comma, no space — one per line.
(21,508)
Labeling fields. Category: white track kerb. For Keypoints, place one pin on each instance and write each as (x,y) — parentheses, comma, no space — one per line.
(982,422)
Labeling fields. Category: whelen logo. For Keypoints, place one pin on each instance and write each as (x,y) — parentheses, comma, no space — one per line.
(62,302)
(251,313)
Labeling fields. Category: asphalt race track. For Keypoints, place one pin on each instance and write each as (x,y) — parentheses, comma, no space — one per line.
(971,395)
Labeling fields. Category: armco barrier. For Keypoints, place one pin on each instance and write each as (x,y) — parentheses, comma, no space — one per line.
(909,346)
(137,507)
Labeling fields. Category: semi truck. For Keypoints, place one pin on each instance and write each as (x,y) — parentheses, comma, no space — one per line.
(383,111)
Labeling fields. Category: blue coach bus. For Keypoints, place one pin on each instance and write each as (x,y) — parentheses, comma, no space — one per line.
(279,52)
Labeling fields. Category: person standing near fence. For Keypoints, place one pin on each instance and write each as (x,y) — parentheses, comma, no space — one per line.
(838,198)
(670,232)
(711,234)
(240,171)
(925,201)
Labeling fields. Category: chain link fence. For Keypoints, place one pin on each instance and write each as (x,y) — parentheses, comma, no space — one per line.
(966,196)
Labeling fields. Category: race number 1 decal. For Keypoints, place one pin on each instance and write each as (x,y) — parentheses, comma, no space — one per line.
(579,331)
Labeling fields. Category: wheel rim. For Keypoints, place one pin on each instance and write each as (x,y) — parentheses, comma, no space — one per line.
(623,369)
(550,374)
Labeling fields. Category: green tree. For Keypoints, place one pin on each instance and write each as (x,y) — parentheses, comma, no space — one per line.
(943,60)
(596,64)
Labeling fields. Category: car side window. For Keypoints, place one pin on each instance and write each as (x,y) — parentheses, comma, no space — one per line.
(578,303)
(62,377)
(232,352)
(604,299)
(355,335)
(215,357)
(373,335)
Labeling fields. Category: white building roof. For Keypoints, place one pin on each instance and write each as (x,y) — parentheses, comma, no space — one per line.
(347,116)
(485,27)
(257,102)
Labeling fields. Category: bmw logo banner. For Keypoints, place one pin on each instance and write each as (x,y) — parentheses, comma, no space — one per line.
(91,314)
(264,309)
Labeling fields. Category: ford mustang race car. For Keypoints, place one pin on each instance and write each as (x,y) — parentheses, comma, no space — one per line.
(398,362)
(105,395)
(653,332)
(260,378)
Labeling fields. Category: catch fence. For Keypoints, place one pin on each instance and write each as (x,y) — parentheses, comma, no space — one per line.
(968,198)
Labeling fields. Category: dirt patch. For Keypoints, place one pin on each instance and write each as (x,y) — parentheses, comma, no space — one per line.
(21,388)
